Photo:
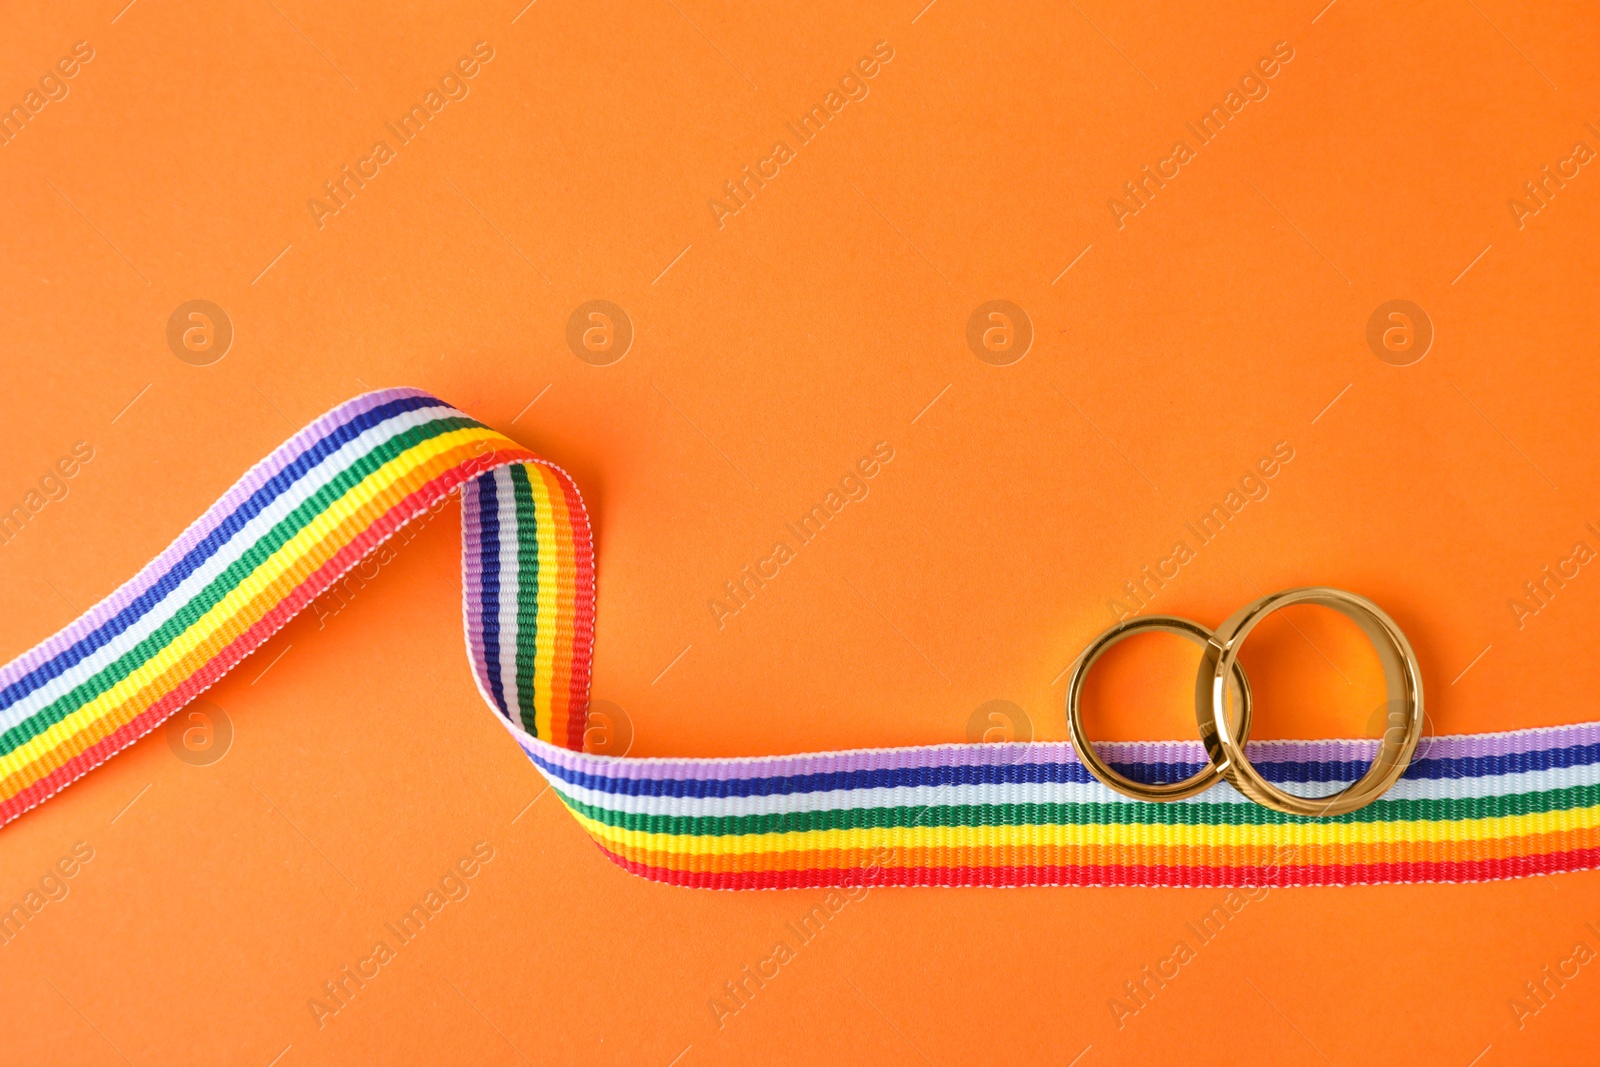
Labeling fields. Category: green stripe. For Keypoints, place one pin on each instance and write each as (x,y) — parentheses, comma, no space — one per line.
(527,593)
(227,581)
(1112,813)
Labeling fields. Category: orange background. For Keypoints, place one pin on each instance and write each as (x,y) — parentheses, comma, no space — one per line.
(770,353)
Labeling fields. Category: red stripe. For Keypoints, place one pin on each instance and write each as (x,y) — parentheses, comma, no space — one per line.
(315,585)
(582,610)
(1123,875)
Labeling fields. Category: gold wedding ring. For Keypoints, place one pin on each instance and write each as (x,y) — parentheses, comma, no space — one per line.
(1223,705)
(1201,780)
(1225,744)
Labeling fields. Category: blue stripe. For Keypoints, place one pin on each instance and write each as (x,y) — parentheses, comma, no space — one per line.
(489,600)
(1429,769)
(1052,773)
(196,557)
(886,778)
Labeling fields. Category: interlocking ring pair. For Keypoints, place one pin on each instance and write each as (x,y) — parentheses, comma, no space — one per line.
(1222,705)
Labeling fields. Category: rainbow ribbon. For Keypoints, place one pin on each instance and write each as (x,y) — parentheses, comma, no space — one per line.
(1468,808)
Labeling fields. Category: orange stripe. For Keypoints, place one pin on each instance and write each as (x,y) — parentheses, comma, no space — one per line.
(560,681)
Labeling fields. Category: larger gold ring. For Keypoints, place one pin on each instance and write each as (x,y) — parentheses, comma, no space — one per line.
(1225,744)
(1201,780)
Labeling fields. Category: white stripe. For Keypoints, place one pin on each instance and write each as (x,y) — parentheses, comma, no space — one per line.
(1051,793)
(506,504)
(159,614)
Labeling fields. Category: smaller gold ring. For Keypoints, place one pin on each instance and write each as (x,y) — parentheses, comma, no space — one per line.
(1201,780)
(1225,746)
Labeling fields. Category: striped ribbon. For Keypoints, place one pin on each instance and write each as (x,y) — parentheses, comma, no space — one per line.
(1468,808)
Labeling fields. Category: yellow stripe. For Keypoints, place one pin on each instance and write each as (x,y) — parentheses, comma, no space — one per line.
(1319,833)
(227,611)
(550,576)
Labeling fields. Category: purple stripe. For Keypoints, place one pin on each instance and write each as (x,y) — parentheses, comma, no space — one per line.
(1060,752)
(472,603)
